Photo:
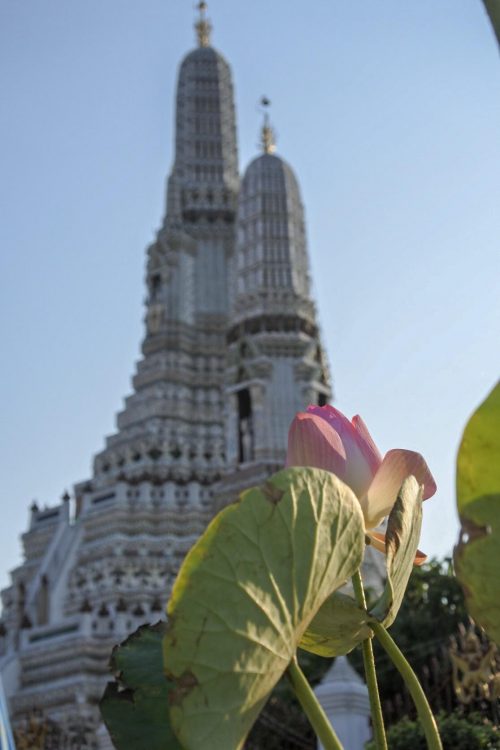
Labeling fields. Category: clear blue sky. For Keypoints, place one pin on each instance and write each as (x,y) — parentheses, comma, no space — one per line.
(389,113)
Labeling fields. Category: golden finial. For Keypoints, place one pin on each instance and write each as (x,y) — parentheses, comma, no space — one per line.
(267,134)
(203,26)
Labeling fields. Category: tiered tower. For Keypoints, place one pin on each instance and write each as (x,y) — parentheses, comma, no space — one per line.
(275,362)
(172,427)
(231,352)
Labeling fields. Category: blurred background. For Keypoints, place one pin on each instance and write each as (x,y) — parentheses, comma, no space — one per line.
(387,112)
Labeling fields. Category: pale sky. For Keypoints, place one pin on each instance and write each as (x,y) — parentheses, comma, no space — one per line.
(389,114)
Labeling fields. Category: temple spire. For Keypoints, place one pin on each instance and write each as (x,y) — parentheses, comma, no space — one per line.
(203,26)
(267,133)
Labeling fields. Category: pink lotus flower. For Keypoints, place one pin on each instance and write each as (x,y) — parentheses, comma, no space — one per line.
(322,437)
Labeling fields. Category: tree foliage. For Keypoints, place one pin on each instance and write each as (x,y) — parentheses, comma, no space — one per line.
(457,733)
(432,610)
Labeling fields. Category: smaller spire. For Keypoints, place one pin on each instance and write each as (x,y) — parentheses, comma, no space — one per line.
(203,26)
(267,133)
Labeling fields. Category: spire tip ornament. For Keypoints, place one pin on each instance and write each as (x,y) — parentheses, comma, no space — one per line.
(203,26)
(267,133)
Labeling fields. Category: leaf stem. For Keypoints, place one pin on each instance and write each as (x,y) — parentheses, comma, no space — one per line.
(423,709)
(371,675)
(312,708)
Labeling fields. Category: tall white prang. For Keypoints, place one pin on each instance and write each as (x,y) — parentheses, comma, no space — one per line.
(231,352)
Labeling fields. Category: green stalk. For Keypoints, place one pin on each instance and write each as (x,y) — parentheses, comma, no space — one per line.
(312,709)
(370,673)
(423,709)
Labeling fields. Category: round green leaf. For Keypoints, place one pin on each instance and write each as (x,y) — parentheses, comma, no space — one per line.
(337,628)
(245,596)
(340,624)
(135,707)
(477,555)
(401,542)
(478,461)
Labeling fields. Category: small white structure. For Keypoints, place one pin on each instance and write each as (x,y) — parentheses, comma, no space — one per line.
(344,697)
